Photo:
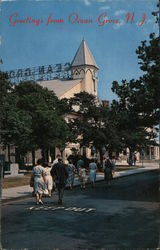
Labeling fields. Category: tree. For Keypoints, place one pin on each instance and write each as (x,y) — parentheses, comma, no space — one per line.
(138,104)
(134,126)
(15,124)
(32,117)
(48,125)
(93,123)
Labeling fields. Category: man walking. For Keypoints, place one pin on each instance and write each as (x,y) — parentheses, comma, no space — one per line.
(108,171)
(53,163)
(59,174)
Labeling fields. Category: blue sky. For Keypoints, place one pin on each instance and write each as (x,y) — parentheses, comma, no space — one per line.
(113,45)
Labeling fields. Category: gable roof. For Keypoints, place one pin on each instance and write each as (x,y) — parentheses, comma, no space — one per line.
(83,56)
(60,87)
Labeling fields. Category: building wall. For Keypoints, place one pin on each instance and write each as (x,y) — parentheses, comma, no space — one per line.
(89,76)
(69,94)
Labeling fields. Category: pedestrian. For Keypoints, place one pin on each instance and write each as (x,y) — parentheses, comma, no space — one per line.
(108,171)
(92,173)
(80,163)
(83,177)
(55,160)
(49,180)
(53,163)
(71,171)
(38,175)
(135,159)
(113,165)
(60,175)
(104,161)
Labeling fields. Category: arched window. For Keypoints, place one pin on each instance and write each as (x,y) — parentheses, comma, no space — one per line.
(94,85)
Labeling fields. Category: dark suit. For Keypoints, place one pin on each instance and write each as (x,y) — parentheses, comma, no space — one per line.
(59,174)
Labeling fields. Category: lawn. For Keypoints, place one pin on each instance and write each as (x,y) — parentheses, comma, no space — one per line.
(16,181)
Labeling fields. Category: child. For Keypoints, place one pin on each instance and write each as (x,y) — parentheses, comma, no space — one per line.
(83,177)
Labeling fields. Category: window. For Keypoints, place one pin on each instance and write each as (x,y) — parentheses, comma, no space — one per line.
(94,85)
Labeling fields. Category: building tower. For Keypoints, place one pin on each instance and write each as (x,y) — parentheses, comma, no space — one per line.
(84,67)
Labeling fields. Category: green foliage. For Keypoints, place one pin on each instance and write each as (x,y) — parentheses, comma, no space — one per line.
(149,55)
(48,125)
(94,124)
(87,123)
(138,107)
(33,117)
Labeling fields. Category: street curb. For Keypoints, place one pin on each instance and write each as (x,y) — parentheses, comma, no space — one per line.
(150,170)
(76,185)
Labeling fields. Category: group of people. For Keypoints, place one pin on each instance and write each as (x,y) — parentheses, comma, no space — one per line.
(82,172)
(44,178)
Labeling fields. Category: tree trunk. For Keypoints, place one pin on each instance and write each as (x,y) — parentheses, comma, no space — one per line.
(9,154)
(101,155)
(33,157)
(110,152)
(53,153)
(44,153)
(17,155)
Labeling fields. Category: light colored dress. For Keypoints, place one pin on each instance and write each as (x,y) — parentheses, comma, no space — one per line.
(92,174)
(39,185)
(83,176)
(49,180)
(71,170)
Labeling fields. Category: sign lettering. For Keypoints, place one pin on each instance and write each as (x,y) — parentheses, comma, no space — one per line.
(50,72)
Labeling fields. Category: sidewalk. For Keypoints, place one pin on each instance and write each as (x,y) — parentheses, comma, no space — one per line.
(17,192)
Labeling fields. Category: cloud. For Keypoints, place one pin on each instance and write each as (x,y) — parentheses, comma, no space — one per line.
(7,0)
(119,25)
(149,26)
(150,21)
(87,2)
(101,1)
(120,12)
(105,8)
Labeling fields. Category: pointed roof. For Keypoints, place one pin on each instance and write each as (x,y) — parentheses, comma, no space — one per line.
(83,56)
(60,87)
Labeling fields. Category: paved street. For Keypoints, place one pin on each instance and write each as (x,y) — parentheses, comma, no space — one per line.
(125,215)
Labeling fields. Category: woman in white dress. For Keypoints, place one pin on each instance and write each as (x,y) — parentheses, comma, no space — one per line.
(38,174)
(49,180)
